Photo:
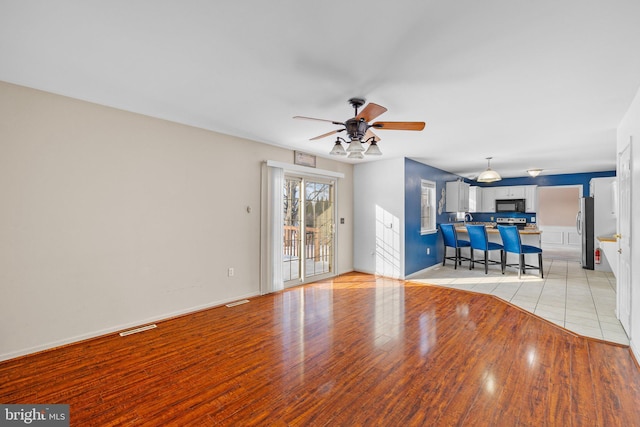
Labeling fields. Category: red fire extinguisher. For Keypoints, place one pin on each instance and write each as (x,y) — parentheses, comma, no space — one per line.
(597,256)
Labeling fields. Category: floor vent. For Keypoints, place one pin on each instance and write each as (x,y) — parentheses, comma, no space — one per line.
(233,304)
(135,331)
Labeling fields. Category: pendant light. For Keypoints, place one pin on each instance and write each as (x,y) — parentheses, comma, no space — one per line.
(489,175)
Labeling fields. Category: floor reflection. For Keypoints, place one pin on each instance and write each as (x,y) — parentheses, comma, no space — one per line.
(306,317)
(428,331)
(389,312)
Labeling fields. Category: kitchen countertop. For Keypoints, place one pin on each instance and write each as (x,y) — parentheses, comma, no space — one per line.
(491,230)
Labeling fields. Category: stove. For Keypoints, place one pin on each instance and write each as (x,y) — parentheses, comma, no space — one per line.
(518,222)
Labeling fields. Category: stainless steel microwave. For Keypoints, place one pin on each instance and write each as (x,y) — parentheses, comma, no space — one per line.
(511,205)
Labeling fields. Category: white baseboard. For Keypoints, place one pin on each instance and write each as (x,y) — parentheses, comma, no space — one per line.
(635,350)
(118,328)
(424,270)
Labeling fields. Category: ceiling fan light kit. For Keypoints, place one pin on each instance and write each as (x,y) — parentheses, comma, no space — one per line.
(373,149)
(354,146)
(338,149)
(489,175)
(359,130)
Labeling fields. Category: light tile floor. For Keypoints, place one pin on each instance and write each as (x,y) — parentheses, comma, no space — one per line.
(580,300)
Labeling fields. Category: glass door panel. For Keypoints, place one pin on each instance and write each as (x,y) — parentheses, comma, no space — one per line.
(319,228)
(291,238)
(308,240)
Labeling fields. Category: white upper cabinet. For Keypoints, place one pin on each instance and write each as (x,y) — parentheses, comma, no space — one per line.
(461,197)
(604,190)
(457,196)
(531,196)
(510,192)
(475,199)
(489,199)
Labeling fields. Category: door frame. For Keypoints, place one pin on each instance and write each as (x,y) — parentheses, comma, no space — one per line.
(625,261)
(304,278)
(268,283)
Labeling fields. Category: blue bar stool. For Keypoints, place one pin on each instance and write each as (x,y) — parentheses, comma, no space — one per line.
(450,238)
(512,243)
(479,241)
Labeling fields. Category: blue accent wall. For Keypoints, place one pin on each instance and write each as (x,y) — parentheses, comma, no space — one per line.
(541,181)
(552,180)
(416,244)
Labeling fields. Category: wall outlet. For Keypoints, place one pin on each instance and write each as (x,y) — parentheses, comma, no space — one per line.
(428,251)
(231,272)
(533,219)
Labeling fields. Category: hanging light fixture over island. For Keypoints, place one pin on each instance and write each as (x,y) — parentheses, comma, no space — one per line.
(489,175)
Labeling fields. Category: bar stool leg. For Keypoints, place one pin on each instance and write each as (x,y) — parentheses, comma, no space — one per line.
(540,264)
(472,260)
(486,263)
(456,258)
(521,267)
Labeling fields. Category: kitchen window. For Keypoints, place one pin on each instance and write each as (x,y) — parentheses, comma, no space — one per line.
(428,207)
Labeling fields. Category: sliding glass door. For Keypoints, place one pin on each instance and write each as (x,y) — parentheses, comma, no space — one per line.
(308,227)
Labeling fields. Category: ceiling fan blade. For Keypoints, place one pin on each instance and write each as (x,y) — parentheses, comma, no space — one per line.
(370,112)
(318,120)
(370,134)
(399,125)
(324,135)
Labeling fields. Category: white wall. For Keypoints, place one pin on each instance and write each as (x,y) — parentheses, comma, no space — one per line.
(630,128)
(378,231)
(111,219)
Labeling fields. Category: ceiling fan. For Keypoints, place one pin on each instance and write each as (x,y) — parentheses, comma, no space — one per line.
(359,130)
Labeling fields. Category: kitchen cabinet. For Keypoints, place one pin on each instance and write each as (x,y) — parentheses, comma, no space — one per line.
(475,199)
(531,196)
(604,190)
(457,196)
(489,199)
(510,192)
(491,194)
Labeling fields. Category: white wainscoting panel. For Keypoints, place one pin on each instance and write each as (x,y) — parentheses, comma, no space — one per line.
(573,238)
(560,236)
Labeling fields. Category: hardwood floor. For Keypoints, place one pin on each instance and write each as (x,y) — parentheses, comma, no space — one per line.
(356,350)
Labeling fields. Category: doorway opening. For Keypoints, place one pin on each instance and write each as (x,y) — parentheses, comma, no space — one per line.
(558,208)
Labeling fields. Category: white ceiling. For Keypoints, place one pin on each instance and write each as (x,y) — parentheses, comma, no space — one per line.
(532,83)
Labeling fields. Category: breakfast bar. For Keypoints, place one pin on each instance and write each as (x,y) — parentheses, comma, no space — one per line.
(528,235)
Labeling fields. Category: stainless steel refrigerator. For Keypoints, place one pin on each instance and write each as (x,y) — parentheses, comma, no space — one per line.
(584,224)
